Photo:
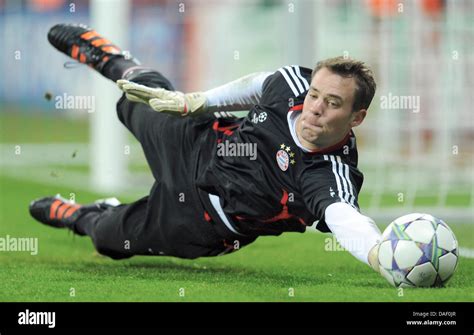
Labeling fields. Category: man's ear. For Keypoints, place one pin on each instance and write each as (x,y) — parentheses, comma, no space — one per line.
(358,117)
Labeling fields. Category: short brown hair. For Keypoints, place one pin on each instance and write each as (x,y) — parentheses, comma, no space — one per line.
(347,67)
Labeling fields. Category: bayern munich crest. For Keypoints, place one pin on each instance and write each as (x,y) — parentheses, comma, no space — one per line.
(285,157)
(282,159)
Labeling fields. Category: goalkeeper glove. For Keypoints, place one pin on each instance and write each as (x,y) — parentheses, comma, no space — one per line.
(164,101)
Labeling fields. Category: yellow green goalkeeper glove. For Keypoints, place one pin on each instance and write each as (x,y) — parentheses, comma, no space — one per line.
(164,101)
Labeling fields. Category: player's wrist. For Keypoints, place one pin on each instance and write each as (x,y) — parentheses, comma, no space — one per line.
(195,103)
(164,101)
(373,258)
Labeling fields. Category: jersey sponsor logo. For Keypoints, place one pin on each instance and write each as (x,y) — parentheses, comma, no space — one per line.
(283,160)
(259,118)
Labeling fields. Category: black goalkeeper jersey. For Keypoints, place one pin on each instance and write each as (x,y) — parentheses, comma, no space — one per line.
(282,188)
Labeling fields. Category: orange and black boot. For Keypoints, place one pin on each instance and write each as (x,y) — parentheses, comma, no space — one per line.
(61,213)
(86,46)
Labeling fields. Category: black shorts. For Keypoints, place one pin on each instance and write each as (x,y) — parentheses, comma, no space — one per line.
(171,220)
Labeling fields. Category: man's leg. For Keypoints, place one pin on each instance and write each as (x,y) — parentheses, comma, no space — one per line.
(165,224)
(88,47)
(116,231)
(119,231)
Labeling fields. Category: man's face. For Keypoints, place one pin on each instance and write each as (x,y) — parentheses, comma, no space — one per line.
(327,114)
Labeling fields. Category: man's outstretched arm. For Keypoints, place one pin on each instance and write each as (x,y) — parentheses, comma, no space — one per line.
(240,94)
(355,232)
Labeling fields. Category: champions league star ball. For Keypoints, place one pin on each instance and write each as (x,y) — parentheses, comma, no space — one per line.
(418,250)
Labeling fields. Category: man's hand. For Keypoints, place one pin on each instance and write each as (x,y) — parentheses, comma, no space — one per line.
(374,257)
(164,101)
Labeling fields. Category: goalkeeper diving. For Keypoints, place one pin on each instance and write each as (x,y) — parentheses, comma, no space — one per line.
(206,201)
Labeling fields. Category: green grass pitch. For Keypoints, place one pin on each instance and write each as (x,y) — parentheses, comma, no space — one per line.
(292,267)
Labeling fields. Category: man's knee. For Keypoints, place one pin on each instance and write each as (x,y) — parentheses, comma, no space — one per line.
(110,249)
(107,243)
(121,106)
(112,254)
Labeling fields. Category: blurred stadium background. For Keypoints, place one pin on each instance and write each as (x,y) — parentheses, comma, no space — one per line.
(413,160)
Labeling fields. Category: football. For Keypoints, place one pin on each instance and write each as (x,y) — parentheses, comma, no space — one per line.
(418,250)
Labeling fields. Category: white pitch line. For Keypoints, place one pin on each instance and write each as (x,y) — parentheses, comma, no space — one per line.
(466,252)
